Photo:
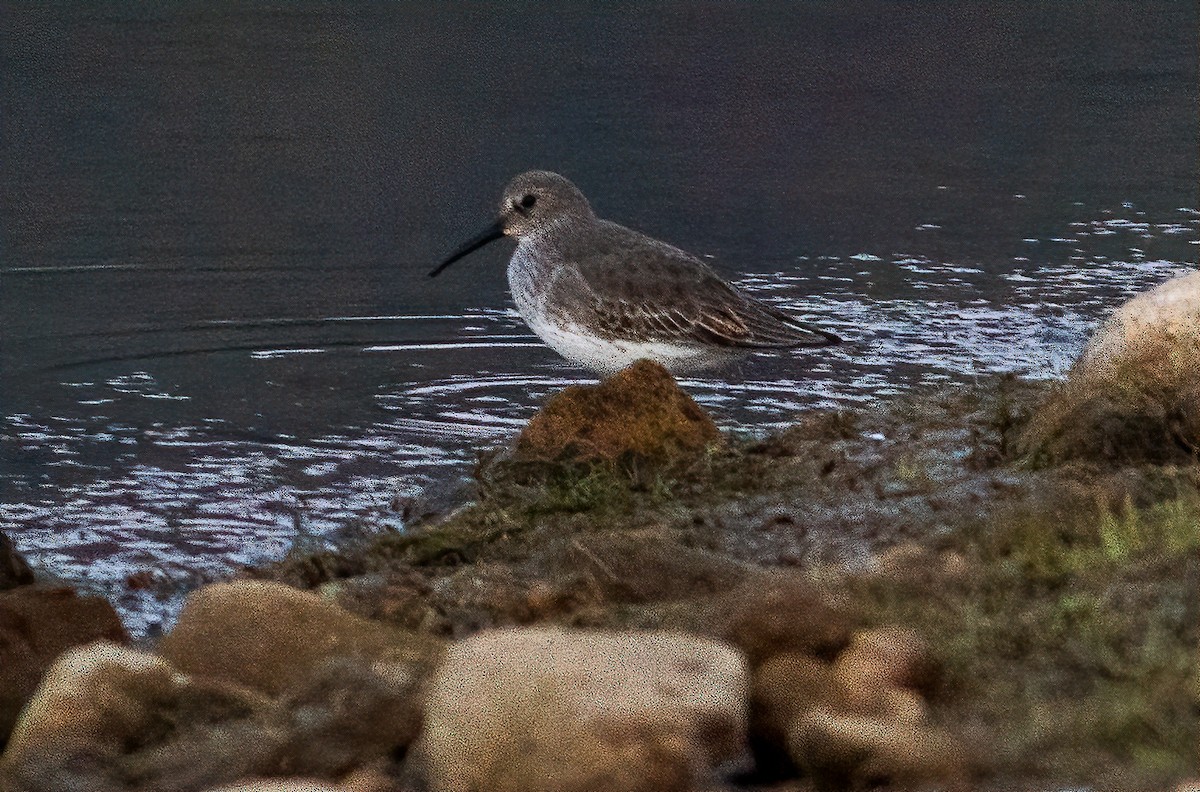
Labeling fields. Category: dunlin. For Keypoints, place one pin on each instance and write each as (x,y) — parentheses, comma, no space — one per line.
(603,296)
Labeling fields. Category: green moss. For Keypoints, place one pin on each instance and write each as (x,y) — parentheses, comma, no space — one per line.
(1170,527)
(600,488)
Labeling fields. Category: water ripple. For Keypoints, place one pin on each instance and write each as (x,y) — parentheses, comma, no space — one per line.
(244,446)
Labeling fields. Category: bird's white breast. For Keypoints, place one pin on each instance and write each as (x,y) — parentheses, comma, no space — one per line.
(529,278)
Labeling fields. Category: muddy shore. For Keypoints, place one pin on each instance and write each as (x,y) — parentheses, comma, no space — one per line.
(1053,607)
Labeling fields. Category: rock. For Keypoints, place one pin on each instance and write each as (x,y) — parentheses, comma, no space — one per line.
(1170,311)
(1134,394)
(272,637)
(953,565)
(902,704)
(349,689)
(638,412)
(844,752)
(374,777)
(36,625)
(526,710)
(881,659)
(904,561)
(912,562)
(783,612)
(786,687)
(13,569)
(349,713)
(108,717)
(876,675)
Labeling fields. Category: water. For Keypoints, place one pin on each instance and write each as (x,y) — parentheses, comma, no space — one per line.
(214,224)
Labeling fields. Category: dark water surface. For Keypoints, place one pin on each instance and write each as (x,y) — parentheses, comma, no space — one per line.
(214,225)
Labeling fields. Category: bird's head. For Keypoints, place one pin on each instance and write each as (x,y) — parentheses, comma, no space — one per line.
(533,202)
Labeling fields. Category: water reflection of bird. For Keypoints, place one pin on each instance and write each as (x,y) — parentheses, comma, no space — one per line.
(603,296)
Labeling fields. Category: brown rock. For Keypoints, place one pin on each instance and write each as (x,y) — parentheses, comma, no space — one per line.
(106,717)
(273,637)
(785,688)
(902,704)
(526,710)
(36,625)
(904,561)
(13,569)
(915,563)
(638,412)
(783,612)
(349,689)
(843,752)
(879,660)
(375,777)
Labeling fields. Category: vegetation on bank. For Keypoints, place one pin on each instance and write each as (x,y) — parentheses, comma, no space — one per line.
(1059,601)
(1068,638)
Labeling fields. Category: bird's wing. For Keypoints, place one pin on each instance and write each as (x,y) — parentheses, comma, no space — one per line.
(640,287)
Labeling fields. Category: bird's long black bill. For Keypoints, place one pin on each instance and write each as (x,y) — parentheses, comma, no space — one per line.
(489,234)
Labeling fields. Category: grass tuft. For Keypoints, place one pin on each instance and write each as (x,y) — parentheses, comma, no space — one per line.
(1073,645)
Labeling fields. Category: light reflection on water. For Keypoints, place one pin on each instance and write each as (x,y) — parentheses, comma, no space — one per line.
(191,500)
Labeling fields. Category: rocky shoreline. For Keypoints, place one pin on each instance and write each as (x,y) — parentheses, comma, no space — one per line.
(977,587)
(889,595)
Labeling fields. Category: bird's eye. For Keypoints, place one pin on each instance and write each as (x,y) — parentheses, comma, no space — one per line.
(528,201)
